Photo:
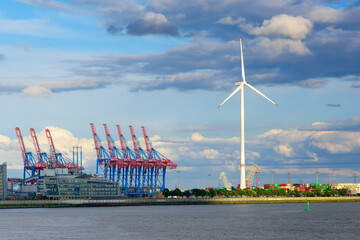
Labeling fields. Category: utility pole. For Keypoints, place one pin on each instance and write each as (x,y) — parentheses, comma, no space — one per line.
(178,179)
(329,176)
(288,178)
(354,177)
(317,177)
(272,177)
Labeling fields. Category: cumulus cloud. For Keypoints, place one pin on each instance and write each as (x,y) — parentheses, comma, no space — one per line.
(284,149)
(36,91)
(285,26)
(152,23)
(323,14)
(46,88)
(230,21)
(275,47)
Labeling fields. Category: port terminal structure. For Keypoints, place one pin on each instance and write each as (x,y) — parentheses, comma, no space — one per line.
(138,171)
(35,163)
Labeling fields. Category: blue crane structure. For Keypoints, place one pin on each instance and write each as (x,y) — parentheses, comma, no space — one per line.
(103,155)
(117,165)
(142,158)
(161,163)
(35,163)
(138,172)
(132,165)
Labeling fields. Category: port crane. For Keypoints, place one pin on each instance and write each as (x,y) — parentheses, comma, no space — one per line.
(226,182)
(250,176)
(129,159)
(116,162)
(103,155)
(59,160)
(142,160)
(161,162)
(29,158)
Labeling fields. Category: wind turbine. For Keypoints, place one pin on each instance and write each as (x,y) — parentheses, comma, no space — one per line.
(242,137)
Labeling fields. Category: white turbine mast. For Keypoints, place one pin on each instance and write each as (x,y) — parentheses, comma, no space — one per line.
(242,122)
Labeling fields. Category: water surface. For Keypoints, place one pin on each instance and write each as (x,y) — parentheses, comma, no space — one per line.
(233,221)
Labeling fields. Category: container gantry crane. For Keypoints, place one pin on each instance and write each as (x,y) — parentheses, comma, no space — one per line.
(58,159)
(162,162)
(250,176)
(130,160)
(29,158)
(138,171)
(103,155)
(117,165)
(142,160)
(226,182)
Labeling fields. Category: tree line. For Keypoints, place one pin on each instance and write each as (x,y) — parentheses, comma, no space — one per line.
(258,192)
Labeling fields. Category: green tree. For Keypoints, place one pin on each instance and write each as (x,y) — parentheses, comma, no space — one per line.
(166,193)
(186,193)
(176,192)
(212,193)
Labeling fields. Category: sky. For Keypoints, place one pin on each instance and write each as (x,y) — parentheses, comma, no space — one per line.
(167,65)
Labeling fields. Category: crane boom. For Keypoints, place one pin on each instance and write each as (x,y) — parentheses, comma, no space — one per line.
(96,140)
(250,176)
(147,140)
(22,145)
(135,141)
(51,144)
(122,140)
(108,138)
(225,180)
(36,144)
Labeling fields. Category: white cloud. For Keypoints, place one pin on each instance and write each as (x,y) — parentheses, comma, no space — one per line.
(31,27)
(285,26)
(325,15)
(230,21)
(275,47)
(284,150)
(36,91)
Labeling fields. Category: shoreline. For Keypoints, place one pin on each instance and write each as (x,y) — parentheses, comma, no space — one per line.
(164,201)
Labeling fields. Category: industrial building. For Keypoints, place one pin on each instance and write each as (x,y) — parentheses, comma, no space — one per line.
(54,185)
(3,181)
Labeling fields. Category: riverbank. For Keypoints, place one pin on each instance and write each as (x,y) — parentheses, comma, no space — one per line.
(163,201)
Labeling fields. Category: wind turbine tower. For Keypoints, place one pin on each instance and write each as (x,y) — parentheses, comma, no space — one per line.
(242,122)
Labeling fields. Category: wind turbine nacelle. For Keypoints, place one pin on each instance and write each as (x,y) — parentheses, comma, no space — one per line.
(237,83)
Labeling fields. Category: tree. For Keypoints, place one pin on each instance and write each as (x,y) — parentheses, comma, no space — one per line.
(212,193)
(176,192)
(166,193)
(186,193)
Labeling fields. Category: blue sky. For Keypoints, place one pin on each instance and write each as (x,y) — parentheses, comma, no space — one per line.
(167,65)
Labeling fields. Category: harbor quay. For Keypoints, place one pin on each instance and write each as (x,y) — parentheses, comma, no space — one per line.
(167,201)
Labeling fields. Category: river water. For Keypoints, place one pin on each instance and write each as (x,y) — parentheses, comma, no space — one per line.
(232,221)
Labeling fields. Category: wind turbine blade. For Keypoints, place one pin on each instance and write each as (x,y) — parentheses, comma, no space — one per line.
(261,94)
(242,61)
(235,91)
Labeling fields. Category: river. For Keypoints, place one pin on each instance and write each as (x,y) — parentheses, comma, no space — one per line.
(230,221)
